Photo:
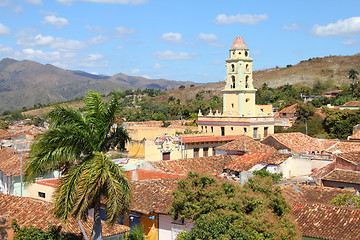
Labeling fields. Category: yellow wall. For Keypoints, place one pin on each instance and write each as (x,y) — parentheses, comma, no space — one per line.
(33,191)
(136,148)
(150,226)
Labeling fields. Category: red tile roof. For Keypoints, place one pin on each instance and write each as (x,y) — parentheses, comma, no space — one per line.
(49,182)
(153,196)
(355,136)
(5,134)
(239,43)
(210,165)
(246,144)
(311,194)
(344,147)
(150,175)
(327,222)
(290,109)
(30,211)
(249,160)
(202,139)
(10,162)
(298,142)
(351,104)
(346,176)
(352,157)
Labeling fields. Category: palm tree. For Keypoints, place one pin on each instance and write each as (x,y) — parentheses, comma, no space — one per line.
(76,144)
(353,74)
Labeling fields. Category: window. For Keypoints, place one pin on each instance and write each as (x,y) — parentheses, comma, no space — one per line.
(232,105)
(247,67)
(166,156)
(232,129)
(205,151)
(205,128)
(232,67)
(41,194)
(134,220)
(246,53)
(266,129)
(233,81)
(247,100)
(255,133)
(196,152)
(222,131)
(245,129)
(247,82)
(212,129)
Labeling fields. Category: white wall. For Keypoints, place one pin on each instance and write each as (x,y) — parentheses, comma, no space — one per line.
(169,228)
(295,167)
(320,163)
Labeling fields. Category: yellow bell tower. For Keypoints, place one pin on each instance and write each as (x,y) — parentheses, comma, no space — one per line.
(240,115)
(239,92)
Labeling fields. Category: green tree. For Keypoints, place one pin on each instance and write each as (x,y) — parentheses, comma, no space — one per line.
(227,211)
(76,143)
(353,74)
(53,233)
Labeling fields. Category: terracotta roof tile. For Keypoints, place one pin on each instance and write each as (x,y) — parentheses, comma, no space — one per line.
(201,139)
(239,43)
(339,175)
(150,175)
(249,160)
(327,222)
(10,162)
(5,134)
(211,165)
(344,146)
(49,182)
(299,142)
(312,194)
(30,211)
(290,109)
(353,157)
(246,144)
(153,195)
(351,104)
(355,136)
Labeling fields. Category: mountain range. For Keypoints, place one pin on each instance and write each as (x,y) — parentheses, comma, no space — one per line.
(25,83)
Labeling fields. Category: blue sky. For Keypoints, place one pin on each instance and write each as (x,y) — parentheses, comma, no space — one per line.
(184,40)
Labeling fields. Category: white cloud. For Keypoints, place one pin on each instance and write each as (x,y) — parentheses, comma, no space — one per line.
(98,40)
(241,18)
(121,32)
(207,37)
(342,28)
(58,43)
(37,41)
(173,38)
(55,21)
(4,30)
(158,66)
(293,26)
(170,55)
(350,42)
(135,71)
(35,2)
(39,55)
(96,29)
(120,47)
(122,2)
(94,57)
(5,50)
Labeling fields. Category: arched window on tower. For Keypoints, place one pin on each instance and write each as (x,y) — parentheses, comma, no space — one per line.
(232,67)
(247,82)
(247,67)
(233,81)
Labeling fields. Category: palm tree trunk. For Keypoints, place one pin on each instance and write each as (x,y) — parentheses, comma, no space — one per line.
(97,230)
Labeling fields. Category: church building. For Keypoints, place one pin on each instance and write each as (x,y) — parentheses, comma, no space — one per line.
(240,115)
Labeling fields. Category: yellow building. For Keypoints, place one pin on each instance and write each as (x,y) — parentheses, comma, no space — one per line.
(240,114)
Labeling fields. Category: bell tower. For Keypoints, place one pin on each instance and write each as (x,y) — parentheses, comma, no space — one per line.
(239,92)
